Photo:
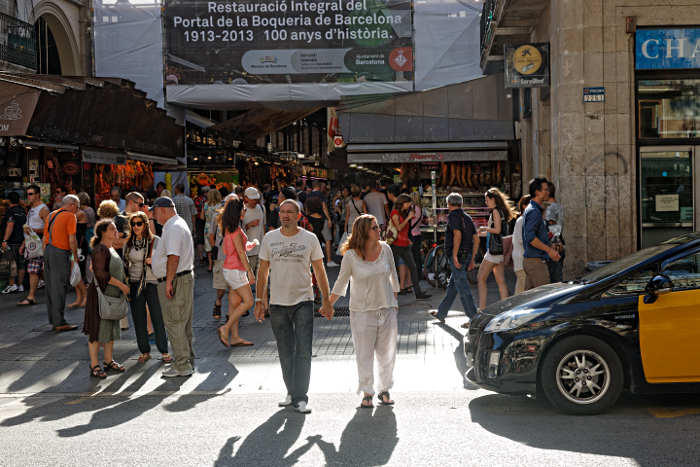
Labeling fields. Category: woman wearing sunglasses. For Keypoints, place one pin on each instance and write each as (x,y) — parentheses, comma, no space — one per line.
(138,249)
(373,306)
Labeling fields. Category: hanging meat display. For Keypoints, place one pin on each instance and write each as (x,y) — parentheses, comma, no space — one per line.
(132,176)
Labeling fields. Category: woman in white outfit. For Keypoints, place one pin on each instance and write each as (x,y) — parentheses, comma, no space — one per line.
(501,207)
(519,247)
(368,264)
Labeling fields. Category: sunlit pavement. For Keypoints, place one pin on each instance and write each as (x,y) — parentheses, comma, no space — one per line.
(53,413)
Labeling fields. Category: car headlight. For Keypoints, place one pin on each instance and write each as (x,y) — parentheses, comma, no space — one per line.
(514,318)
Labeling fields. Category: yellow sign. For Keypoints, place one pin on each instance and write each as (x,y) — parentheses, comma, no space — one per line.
(527,60)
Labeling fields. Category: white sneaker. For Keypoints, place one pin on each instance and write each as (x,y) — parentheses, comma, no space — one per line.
(286,402)
(332,264)
(10,289)
(303,408)
(41,284)
(20,288)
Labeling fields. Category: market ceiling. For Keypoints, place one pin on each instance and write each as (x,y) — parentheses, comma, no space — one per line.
(257,123)
(104,112)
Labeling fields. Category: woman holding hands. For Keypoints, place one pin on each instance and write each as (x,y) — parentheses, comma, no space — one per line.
(373,306)
(237,271)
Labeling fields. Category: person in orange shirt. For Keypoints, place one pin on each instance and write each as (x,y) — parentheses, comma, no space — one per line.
(60,241)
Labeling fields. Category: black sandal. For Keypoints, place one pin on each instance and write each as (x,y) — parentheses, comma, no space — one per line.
(114,366)
(381,398)
(96,372)
(367,399)
(217,311)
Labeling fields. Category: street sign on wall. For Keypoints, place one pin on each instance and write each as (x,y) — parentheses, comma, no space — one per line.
(526,65)
(234,42)
(596,94)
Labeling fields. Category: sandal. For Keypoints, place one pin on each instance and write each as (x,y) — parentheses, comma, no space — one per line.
(114,366)
(144,357)
(96,372)
(29,302)
(217,311)
(167,358)
(224,340)
(367,399)
(381,397)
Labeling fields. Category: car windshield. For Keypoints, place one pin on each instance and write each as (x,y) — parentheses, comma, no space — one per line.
(624,263)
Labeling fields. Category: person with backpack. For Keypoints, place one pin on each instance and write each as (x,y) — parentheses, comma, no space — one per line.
(501,213)
(461,245)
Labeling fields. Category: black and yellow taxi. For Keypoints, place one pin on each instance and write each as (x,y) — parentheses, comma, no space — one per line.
(633,324)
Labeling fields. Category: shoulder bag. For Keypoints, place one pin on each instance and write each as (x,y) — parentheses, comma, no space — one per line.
(110,307)
(496,240)
(392,233)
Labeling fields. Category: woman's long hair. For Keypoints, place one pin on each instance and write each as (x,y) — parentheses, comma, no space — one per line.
(100,229)
(523,203)
(213,197)
(230,220)
(358,238)
(401,201)
(503,203)
(146,233)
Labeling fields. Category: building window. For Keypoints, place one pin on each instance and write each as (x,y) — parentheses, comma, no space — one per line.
(668,108)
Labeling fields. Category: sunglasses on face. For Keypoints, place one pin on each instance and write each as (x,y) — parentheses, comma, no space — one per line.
(57,192)
(30,194)
(142,205)
(137,224)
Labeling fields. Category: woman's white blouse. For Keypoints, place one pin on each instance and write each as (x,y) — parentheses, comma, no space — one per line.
(372,285)
(518,247)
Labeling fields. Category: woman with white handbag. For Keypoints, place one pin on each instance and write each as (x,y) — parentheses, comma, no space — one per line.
(107,296)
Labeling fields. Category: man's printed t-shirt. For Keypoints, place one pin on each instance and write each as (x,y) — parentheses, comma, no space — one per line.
(290,265)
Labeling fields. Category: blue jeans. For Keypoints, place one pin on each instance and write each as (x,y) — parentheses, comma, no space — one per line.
(293,327)
(556,268)
(458,284)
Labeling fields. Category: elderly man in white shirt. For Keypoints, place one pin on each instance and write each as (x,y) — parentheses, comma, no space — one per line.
(172,265)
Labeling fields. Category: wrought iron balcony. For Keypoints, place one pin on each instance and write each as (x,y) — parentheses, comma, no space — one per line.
(17,42)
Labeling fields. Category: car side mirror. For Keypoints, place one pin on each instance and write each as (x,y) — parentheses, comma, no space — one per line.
(659,285)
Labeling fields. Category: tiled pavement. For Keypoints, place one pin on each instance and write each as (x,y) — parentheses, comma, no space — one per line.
(26,336)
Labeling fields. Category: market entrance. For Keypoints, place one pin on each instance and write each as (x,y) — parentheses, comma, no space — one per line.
(668,179)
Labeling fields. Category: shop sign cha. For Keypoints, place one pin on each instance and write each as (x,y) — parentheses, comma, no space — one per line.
(664,49)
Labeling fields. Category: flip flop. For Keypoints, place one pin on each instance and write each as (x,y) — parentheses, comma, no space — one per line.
(367,399)
(434,315)
(243,343)
(31,302)
(221,337)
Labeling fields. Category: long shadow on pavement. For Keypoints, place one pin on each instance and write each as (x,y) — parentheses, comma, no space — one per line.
(460,358)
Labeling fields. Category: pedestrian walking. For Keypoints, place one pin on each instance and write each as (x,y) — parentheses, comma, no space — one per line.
(238,271)
(416,235)
(501,209)
(288,254)
(377,205)
(172,263)
(461,245)
(13,240)
(219,281)
(185,208)
(554,215)
(200,221)
(81,219)
(210,207)
(36,221)
(356,207)
(535,238)
(325,233)
(368,265)
(109,276)
(59,242)
(519,247)
(84,242)
(254,225)
(401,216)
(143,284)
(134,203)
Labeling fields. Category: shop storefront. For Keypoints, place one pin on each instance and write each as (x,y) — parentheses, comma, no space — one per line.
(667,84)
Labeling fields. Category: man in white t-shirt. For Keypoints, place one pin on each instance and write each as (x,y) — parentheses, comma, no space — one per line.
(378,206)
(254,225)
(289,252)
(172,264)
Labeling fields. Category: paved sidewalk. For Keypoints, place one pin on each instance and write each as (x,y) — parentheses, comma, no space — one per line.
(35,359)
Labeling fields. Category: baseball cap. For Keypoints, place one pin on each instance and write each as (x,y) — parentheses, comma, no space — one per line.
(163,202)
(252,193)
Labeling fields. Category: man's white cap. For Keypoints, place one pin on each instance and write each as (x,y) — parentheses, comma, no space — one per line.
(252,193)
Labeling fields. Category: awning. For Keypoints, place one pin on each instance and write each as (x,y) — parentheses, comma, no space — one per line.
(198,120)
(137,156)
(425,156)
(423,147)
(83,111)
(103,156)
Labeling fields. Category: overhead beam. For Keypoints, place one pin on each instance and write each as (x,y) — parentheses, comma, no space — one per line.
(520,31)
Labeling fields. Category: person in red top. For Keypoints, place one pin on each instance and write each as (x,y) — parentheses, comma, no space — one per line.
(237,271)
(60,241)
(401,248)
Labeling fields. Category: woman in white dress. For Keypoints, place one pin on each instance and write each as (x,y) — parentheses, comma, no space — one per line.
(368,265)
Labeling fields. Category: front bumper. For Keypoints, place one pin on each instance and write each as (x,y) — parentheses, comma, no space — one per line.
(504,362)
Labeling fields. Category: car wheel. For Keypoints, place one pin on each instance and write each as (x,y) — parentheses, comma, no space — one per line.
(582,375)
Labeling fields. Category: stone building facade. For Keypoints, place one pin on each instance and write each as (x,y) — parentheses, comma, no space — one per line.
(594,151)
